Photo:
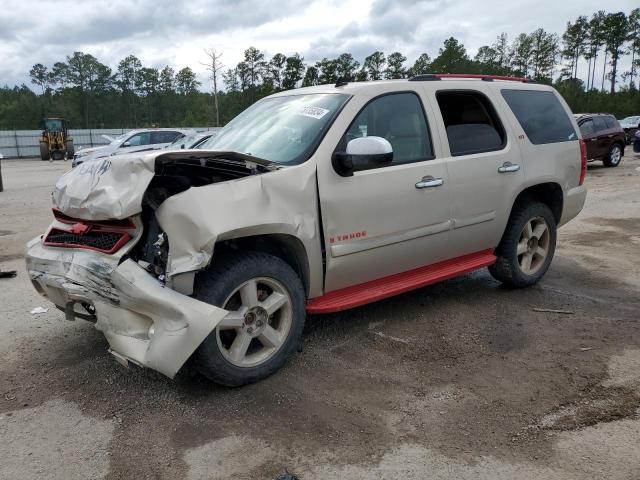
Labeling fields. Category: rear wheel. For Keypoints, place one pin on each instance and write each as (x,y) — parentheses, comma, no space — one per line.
(614,156)
(44,150)
(527,247)
(266,305)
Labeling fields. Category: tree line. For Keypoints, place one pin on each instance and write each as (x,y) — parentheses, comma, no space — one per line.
(92,95)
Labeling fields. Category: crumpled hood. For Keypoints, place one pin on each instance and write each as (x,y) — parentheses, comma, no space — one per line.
(113,187)
(109,188)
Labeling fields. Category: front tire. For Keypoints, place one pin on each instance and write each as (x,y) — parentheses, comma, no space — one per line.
(527,246)
(614,156)
(44,150)
(266,304)
(70,149)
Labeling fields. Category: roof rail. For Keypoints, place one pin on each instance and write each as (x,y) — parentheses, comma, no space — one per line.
(486,78)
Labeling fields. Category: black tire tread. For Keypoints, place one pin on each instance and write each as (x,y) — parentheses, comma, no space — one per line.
(214,284)
(607,159)
(505,269)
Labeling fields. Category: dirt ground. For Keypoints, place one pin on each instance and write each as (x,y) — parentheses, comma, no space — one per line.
(459,380)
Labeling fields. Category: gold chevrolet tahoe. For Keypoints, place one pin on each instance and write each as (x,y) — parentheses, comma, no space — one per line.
(313,200)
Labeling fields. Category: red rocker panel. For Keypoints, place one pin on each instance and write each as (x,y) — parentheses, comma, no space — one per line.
(386,287)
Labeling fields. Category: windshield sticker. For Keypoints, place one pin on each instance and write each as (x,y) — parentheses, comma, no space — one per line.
(313,112)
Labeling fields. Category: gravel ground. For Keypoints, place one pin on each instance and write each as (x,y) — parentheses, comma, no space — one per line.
(459,380)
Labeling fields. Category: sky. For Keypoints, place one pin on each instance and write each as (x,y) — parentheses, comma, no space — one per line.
(167,32)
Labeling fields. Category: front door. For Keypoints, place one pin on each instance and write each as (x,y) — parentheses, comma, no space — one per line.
(590,137)
(390,218)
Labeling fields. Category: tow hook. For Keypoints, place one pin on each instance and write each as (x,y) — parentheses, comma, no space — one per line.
(71,314)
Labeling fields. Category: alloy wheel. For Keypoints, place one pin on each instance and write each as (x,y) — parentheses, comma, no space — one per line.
(259,319)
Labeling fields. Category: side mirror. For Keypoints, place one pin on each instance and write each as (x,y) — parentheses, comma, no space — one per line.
(363,154)
(125,145)
(182,146)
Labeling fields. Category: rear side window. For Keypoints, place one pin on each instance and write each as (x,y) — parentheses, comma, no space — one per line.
(471,122)
(541,116)
(610,121)
(164,136)
(599,124)
(586,127)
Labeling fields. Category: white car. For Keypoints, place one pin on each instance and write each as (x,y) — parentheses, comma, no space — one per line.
(190,141)
(630,125)
(130,142)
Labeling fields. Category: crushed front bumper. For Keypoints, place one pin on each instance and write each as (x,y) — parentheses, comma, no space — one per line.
(144,322)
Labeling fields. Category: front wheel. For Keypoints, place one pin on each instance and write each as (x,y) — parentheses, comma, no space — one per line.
(527,246)
(266,303)
(44,151)
(614,156)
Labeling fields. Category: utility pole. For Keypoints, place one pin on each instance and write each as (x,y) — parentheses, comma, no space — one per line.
(215,67)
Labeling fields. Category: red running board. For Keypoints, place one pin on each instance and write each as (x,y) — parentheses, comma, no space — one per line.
(386,287)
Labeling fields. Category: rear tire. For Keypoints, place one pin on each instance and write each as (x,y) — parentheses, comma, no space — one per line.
(44,150)
(614,156)
(527,246)
(266,301)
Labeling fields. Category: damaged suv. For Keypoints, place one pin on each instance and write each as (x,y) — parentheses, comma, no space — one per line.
(314,200)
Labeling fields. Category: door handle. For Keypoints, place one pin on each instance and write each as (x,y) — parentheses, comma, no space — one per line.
(429,182)
(594,139)
(509,167)
(610,136)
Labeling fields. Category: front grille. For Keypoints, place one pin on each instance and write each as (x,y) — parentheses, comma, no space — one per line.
(103,241)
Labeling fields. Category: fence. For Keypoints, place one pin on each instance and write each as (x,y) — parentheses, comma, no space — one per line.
(26,143)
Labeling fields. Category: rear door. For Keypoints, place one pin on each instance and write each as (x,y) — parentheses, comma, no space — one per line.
(389,218)
(483,162)
(590,137)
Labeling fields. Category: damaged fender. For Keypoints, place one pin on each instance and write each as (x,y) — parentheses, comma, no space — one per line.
(196,219)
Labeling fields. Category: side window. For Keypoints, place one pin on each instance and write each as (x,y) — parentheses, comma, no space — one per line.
(399,118)
(143,138)
(610,121)
(599,124)
(164,136)
(471,122)
(586,127)
(540,115)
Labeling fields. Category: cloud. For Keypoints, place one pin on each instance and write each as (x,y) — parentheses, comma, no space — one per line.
(163,32)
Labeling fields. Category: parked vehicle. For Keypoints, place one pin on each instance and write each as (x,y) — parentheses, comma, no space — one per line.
(141,140)
(314,200)
(630,126)
(55,141)
(189,141)
(603,136)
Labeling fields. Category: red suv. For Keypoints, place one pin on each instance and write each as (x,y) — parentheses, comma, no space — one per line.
(604,137)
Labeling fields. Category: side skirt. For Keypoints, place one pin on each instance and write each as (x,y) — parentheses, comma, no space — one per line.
(386,287)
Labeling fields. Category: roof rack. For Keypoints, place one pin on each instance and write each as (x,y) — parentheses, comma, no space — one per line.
(486,78)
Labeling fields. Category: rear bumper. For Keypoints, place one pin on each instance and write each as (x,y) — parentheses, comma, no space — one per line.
(573,202)
(144,322)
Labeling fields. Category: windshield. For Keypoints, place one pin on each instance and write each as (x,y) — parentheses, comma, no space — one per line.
(119,138)
(285,130)
(53,125)
(631,120)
